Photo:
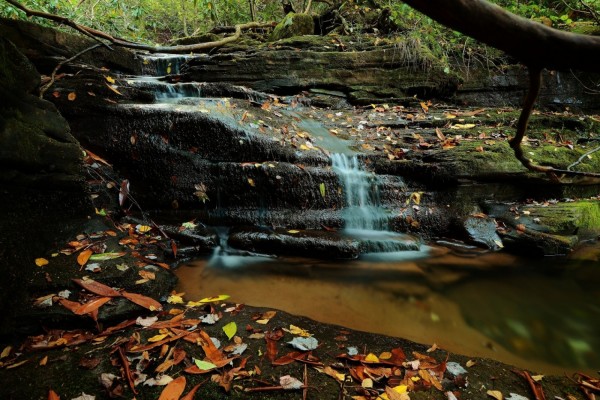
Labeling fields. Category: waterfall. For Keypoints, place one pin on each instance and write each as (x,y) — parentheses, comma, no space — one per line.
(364,216)
(363,210)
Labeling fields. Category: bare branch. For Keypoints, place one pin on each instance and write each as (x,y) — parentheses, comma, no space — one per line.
(60,64)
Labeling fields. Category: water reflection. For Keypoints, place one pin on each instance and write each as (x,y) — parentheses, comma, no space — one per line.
(543,317)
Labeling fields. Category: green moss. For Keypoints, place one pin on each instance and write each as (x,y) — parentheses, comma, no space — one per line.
(585,28)
(293,25)
(581,217)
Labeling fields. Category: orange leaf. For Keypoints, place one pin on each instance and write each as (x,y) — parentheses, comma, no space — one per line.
(91,306)
(174,389)
(190,395)
(143,301)
(212,353)
(84,256)
(52,395)
(72,96)
(69,305)
(97,288)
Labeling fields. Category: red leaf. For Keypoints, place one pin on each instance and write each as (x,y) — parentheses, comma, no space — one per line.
(97,288)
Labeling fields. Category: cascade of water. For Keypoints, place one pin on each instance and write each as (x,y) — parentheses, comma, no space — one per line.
(363,206)
(364,216)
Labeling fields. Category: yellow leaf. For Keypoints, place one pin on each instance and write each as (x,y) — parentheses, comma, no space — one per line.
(371,358)
(470,363)
(174,299)
(114,89)
(293,231)
(212,299)
(40,262)
(386,355)
(251,182)
(463,126)
(44,361)
(496,394)
(157,338)
(5,352)
(143,228)
(295,330)
(110,79)
(537,378)
(230,329)
(303,147)
(400,389)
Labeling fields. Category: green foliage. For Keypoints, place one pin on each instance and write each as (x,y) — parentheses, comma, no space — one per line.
(162,20)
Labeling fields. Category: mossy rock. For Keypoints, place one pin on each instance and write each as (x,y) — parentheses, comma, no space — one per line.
(585,28)
(293,25)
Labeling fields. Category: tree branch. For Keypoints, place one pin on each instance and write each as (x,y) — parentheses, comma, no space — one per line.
(96,34)
(530,42)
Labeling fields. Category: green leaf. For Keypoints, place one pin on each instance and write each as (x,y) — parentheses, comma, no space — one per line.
(204,365)
(230,330)
(322,189)
(105,256)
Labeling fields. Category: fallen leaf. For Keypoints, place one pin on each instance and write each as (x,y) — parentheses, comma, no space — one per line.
(230,329)
(109,79)
(84,256)
(6,352)
(143,301)
(496,394)
(439,134)
(52,395)
(72,96)
(251,182)
(40,262)
(293,231)
(174,299)
(157,338)
(106,256)
(463,126)
(97,288)
(84,397)
(174,389)
(91,306)
(204,365)
(322,189)
(190,395)
(44,361)
(290,383)
(304,343)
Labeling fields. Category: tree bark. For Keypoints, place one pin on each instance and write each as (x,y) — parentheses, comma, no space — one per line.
(532,43)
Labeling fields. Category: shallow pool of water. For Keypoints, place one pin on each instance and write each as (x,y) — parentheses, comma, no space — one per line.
(543,315)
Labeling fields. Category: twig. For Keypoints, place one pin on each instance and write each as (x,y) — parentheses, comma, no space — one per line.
(305,390)
(60,64)
(582,157)
(269,388)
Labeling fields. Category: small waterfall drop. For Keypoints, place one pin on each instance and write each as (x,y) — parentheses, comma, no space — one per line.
(363,210)
(364,216)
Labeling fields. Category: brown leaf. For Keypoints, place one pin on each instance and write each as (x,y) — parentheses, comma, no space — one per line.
(143,301)
(174,389)
(72,96)
(97,288)
(89,363)
(84,256)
